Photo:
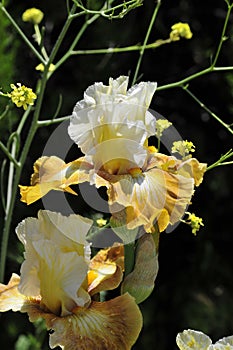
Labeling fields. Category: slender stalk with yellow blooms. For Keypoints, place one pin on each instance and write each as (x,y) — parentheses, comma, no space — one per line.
(59,282)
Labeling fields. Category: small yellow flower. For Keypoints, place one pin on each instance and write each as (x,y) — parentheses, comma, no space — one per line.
(101,222)
(161,125)
(194,221)
(152,149)
(22,96)
(40,67)
(33,15)
(180,30)
(183,147)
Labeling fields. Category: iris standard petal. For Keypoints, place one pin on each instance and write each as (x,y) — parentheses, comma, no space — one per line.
(109,112)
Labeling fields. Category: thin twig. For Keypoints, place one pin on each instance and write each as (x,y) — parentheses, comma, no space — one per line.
(153,18)
(202,105)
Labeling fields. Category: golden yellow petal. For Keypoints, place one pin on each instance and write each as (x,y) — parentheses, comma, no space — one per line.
(113,254)
(52,173)
(156,195)
(45,168)
(11,299)
(106,269)
(114,324)
(192,168)
(140,282)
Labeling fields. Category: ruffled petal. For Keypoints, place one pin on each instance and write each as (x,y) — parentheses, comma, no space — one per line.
(61,277)
(193,340)
(52,173)
(106,269)
(225,343)
(152,195)
(12,299)
(67,232)
(192,168)
(63,234)
(118,155)
(109,112)
(114,324)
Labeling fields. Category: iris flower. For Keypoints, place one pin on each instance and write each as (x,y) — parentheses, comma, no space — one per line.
(60,283)
(112,126)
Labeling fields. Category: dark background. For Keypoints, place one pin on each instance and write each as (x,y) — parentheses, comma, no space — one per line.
(194,288)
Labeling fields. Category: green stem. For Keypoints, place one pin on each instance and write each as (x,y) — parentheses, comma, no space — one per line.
(222,35)
(21,33)
(103,12)
(208,110)
(39,39)
(145,41)
(129,251)
(78,37)
(9,155)
(62,35)
(111,50)
(41,123)
(221,161)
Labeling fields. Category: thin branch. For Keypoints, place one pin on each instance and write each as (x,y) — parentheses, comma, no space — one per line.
(202,105)
(9,155)
(112,50)
(41,123)
(125,6)
(223,38)
(222,159)
(146,40)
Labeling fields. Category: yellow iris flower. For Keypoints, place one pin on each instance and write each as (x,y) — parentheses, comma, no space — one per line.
(112,126)
(59,283)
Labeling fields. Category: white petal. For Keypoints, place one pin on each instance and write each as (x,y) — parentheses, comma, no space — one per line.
(225,343)
(67,232)
(107,112)
(193,340)
(61,276)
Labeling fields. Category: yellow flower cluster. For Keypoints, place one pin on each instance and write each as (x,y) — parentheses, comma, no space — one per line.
(194,221)
(183,147)
(40,67)
(180,30)
(101,222)
(161,125)
(22,96)
(33,15)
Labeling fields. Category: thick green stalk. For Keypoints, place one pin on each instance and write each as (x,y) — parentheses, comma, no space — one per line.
(129,252)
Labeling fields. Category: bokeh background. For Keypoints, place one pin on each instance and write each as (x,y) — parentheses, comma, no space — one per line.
(194,287)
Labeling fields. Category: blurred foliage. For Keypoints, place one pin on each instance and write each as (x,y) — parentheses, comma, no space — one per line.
(194,287)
